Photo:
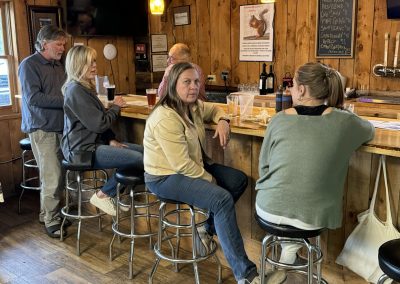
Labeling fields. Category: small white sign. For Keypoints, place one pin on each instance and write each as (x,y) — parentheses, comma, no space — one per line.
(159,62)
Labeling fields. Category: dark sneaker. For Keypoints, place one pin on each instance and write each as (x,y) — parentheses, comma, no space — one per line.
(203,241)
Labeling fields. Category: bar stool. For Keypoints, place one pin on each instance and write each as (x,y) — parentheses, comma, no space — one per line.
(278,234)
(131,178)
(76,182)
(165,222)
(27,163)
(389,260)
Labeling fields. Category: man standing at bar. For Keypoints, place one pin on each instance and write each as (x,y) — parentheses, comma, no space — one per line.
(41,76)
(180,52)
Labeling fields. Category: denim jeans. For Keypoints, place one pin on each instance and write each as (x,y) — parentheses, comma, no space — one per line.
(220,201)
(48,155)
(109,157)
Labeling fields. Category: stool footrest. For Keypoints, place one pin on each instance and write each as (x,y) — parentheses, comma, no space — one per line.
(73,215)
(184,260)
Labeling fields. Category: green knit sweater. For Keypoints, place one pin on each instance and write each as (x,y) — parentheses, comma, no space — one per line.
(303,165)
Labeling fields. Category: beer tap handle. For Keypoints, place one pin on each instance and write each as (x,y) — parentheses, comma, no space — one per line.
(396,49)
(387,36)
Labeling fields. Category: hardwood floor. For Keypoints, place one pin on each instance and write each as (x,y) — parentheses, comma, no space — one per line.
(28,255)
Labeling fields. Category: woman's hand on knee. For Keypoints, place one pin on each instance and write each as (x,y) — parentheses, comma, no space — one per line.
(115,143)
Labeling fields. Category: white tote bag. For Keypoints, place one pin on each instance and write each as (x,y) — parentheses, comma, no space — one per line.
(360,252)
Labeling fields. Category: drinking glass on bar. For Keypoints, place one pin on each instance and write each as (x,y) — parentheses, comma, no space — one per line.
(110,92)
(232,102)
(151,97)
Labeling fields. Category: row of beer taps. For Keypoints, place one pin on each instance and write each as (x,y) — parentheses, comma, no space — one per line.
(383,70)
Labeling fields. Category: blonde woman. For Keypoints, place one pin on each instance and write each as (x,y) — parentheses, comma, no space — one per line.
(87,124)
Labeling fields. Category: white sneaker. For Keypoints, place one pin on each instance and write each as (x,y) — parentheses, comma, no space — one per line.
(105,204)
(203,241)
(272,277)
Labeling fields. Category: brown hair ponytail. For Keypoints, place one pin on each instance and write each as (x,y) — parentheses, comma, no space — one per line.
(323,83)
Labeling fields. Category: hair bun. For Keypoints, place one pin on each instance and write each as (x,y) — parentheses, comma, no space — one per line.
(328,72)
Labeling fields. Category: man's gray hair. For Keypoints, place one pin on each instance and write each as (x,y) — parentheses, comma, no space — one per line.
(48,33)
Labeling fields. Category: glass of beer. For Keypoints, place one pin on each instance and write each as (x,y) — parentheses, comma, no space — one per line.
(110,92)
(151,97)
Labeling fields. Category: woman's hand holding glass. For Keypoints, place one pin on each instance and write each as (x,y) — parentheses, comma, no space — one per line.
(119,101)
(223,131)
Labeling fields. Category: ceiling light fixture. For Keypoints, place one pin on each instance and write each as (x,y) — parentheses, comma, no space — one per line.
(157,7)
(267,1)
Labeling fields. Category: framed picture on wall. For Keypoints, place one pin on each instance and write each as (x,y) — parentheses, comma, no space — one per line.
(39,16)
(181,15)
(159,43)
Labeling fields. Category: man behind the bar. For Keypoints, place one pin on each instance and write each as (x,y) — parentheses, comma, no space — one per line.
(180,52)
(41,76)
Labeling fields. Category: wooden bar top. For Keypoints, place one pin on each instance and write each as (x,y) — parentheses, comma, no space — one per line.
(385,142)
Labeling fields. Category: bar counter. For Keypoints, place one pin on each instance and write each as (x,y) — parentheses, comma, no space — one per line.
(243,152)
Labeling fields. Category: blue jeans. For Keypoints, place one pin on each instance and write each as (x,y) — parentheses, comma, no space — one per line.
(109,157)
(220,201)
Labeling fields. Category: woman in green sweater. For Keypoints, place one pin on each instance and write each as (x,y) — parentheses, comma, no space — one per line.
(305,155)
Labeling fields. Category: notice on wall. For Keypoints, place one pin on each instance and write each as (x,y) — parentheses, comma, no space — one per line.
(159,62)
(256,32)
(335,28)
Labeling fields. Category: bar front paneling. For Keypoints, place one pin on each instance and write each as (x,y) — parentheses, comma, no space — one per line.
(243,153)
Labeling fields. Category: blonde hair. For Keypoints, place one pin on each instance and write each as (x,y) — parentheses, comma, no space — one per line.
(323,83)
(79,59)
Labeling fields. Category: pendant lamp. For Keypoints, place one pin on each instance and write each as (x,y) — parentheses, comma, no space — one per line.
(157,7)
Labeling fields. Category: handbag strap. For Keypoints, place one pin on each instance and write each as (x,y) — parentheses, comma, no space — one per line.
(382,165)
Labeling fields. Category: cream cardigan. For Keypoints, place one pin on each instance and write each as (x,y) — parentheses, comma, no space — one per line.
(172,147)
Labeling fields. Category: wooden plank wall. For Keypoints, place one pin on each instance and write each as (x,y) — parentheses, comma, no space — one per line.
(124,78)
(122,66)
(213,36)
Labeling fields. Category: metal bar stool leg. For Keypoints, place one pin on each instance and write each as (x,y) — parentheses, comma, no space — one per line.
(159,240)
(219,269)
(178,235)
(132,247)
(148,218)
(78,237)
(310,262)
(194,252)
(116,222)
(382,279)
(23,181)
(319,266)
(264,244)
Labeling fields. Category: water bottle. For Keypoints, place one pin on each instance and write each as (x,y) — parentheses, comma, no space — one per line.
(278,99)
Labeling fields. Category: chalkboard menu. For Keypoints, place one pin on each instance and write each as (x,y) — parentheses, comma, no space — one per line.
(335,28)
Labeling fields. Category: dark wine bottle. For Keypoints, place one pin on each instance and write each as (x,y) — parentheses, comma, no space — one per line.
(263,81)
(270,81)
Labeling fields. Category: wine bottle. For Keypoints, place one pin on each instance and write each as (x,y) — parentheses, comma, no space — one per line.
(270,81)
(263,81)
